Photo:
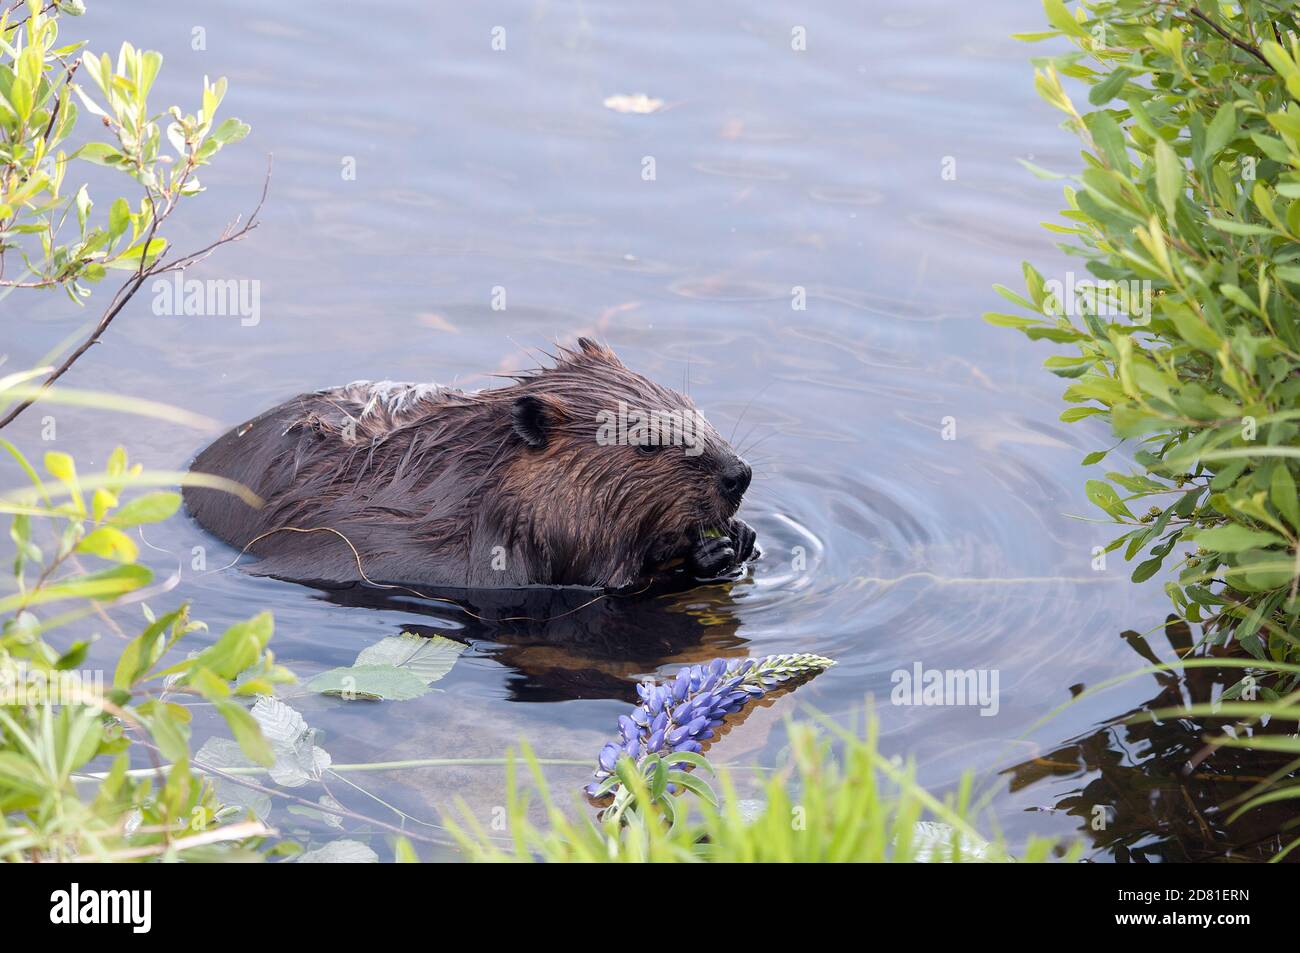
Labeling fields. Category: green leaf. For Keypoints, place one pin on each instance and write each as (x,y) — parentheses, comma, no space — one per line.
(1062,19)
(247,732)
(100,586)
(239,647)
(1109,138)
(1259,570)
(396,668)
(17,772)
(1071,414)
(142,652)
(119,217)
(698,786)
(73,657)
(1238,228)
(688,757)
(1039,171)
(170,733)
(1222,130)
(61,466)
(659,779)
(150,508)
(1233,538)
(231,130)
(1148,568)
(1103,495)
(1192,328)
(370,682)
(1108,88)
(129,260)
(1014,298)
(101,154)
(1282,491)
(1010,320)
(429,659)
(1169,177)
(108,542)
(84,204)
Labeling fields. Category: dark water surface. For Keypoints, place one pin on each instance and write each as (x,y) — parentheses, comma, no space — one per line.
(774,169)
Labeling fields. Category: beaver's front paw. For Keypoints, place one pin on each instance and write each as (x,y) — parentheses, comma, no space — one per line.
(745,540)
(714,556)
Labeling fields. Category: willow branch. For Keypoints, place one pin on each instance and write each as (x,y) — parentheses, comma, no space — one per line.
(1236,41)
(232,233)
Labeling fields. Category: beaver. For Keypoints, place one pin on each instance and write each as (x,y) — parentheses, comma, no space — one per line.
(537,483)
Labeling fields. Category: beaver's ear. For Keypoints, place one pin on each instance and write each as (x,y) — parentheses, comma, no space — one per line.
(530,419)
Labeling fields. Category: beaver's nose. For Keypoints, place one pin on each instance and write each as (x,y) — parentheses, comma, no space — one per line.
(734,480)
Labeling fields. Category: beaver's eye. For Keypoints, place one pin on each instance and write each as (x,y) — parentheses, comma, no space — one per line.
(648,448)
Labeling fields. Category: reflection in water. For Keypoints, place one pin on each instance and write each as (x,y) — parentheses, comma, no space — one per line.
(1149,790)
(561,644)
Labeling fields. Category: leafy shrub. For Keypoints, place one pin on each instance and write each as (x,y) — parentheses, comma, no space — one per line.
(74,552)
(56,717)
(1185,331)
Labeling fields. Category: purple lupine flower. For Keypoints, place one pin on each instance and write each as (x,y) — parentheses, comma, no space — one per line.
(681,714)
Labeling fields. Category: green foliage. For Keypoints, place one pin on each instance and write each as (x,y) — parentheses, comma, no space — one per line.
(75,554)
(826,803)
(652,784)
(1187,340)
(56,717)
(49,222)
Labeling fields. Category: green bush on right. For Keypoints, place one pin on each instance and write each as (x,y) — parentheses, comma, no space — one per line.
(1181,327)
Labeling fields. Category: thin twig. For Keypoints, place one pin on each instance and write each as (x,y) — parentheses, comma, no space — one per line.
(54,113)
(132,285)
(314,805)
(19,4)
(1236,41)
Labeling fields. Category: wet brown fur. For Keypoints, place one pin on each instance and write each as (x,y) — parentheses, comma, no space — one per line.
(426,482)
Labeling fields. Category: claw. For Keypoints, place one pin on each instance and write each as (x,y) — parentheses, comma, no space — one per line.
(745,538)
(713,556)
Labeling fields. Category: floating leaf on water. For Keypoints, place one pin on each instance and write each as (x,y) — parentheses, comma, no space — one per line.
(339,852)
(370,682)
(221,753)
(397,668)
(281,723)
(638,103)
(324,817)
(429,659)
(297,758)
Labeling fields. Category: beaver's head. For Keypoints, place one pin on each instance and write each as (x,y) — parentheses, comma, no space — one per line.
(612,467)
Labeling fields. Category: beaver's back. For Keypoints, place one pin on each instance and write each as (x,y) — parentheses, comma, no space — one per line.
(297,458)
(261,455)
